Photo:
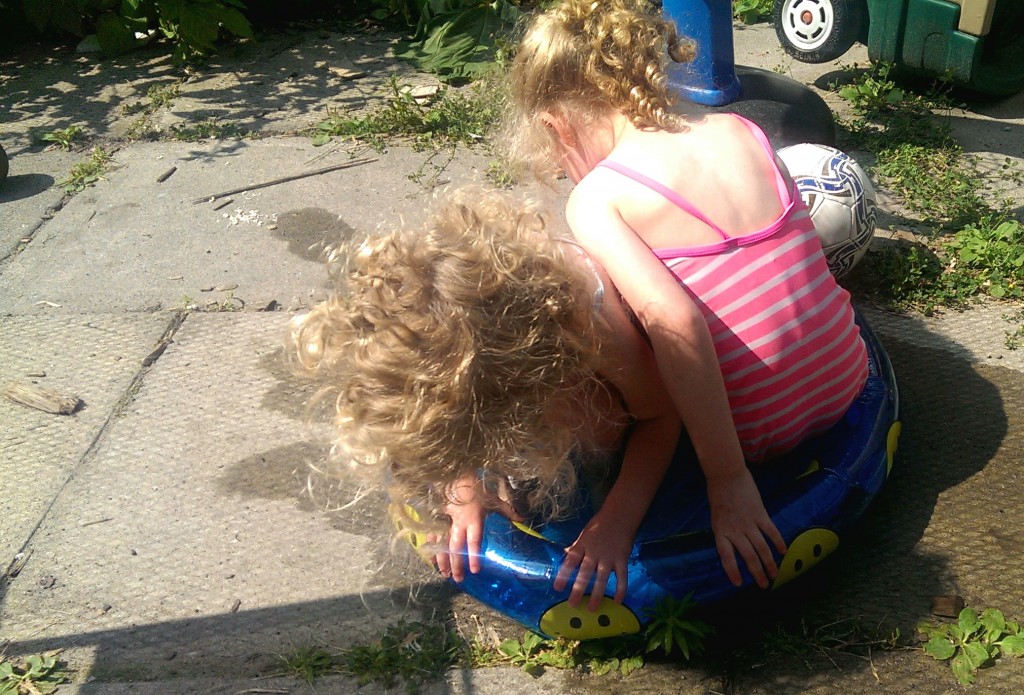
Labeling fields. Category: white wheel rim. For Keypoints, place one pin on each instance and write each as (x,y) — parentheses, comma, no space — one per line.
(808,23)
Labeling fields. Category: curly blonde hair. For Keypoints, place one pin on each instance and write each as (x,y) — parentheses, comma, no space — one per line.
(446,347)
(583,59)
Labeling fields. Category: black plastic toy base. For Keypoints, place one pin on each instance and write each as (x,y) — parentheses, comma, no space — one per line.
(787,111)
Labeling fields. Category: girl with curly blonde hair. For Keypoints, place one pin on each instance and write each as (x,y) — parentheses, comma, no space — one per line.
(701,231)
(483,350)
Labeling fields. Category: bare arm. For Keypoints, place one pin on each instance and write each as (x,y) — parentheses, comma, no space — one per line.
(689,367)
(605,544)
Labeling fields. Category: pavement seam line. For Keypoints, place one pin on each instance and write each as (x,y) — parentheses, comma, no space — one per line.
(21,556)
(29,235)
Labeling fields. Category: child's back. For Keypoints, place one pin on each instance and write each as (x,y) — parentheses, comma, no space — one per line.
(730,227)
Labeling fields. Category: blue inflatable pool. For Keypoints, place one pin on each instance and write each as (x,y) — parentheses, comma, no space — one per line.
(813,495)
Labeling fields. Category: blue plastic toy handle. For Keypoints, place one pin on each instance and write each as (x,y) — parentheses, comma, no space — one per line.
(710,79)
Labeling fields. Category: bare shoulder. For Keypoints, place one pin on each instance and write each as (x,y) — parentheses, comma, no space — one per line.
(595,196)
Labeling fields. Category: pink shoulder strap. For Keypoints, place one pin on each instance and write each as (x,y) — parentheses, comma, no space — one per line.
(673,197)
(785,194)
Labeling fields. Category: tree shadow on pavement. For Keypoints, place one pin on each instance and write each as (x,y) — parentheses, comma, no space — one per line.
(281,83)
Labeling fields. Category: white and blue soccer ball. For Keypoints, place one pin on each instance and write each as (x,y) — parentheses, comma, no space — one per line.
(840,198)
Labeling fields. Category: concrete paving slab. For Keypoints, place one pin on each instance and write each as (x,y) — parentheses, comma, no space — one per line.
(457,682)
(95,357)
(264,243)
(185,545)
(31,194)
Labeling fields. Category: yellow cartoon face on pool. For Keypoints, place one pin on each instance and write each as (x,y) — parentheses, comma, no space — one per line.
(806,550)
(609,620)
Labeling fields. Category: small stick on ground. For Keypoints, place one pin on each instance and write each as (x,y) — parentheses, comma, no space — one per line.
(285,179)
(37,397)
(166,175)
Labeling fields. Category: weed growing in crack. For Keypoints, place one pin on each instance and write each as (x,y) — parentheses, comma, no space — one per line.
(207,130)
(414,652)
(158,96)
(308,663)
(450,117)
(85,174)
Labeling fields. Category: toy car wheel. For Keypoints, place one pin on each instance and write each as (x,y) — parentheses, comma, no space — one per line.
(817,31)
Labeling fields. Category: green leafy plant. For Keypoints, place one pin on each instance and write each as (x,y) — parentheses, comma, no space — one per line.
(308,663)
(158,96)
(991,252)
(886,114)
(967,244)
(616,654)
(1014,338)
(671,629)
(532,652)
(85,174)
(940,184)
(161,95)
(459,38)
(63,138)
(874,92)
(194,26)
(752,11)
(415,652)
(39,674)
(453,116)
(973,642)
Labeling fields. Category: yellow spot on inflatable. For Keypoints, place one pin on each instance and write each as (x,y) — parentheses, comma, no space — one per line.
(528,530)
(812,467)
(890,445)
(806,550)
(416,540)
(609,620)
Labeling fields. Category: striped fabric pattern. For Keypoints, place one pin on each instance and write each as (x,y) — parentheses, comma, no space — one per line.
(784,331)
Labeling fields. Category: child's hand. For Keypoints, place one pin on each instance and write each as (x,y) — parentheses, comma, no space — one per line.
(602,548)
(741,525)
(467,512)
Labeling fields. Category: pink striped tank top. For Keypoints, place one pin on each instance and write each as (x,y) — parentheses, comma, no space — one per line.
(790,352)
